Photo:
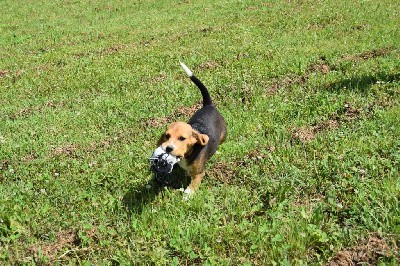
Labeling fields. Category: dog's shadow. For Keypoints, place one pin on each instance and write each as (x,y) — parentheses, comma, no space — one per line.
(138,197)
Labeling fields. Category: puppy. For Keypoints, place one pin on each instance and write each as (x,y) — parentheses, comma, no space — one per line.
(198,139)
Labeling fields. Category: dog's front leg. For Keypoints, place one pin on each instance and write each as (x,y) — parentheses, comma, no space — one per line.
(194,184)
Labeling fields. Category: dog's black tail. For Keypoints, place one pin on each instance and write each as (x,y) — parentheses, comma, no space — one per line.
(204,92)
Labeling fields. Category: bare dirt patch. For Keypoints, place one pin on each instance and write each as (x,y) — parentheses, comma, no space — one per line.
(208,65)
(351,112)
(110,141)
(258,154)
(320,66)
(112,50)
(156,121)
(369,54)
(67,241)
(180,113)
(4,164)
(24,112)
(306,134)
(159,78)
(104,51)
(188,111)
(367,253)
(30,157)
(286,82)
(66,150)
(4,73)
(323,66)
(346,114)
(271,90)
(228,172)
(148,42)
(223,172)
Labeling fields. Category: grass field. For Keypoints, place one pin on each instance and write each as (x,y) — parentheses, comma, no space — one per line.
(309,173)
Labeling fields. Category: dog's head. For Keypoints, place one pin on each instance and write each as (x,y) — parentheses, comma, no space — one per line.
(179,139)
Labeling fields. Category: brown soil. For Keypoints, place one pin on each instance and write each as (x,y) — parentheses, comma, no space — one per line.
(227,172)
(351,112)
(181,113)
(348,114)
(67,241)
(321,66)
(287,82)
(369,54)
(67,150)
(159,78)
(4,164)
(223,172)
(367,253)
(104,51)
(111,50)
(304,134)
(24,112)
(4,73)
(307,134)
(156,121)
(30,157)
(185,111)
(208,65)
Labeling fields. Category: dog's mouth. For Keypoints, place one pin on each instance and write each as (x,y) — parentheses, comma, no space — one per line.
(176,155)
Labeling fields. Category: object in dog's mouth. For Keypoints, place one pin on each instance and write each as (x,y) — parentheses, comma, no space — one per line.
(162,162)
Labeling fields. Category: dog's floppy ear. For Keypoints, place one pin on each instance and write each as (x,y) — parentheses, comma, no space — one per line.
(161,140)
(202,139)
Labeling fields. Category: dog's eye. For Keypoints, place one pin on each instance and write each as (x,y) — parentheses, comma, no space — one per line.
(182,138)
(167,136)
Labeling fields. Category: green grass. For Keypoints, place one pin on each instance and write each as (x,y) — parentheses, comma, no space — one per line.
(81,81)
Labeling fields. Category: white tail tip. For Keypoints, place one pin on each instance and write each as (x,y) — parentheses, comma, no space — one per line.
(187,70)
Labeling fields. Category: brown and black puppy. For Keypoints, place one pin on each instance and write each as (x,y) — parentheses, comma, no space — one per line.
(198,139)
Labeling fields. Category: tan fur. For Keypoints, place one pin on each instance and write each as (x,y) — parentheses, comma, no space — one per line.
(196,172)
(182,137)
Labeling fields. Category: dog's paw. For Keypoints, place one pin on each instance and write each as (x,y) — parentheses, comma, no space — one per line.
(188,193)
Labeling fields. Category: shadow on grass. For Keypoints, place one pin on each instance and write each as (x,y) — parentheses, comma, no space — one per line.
(362,83)
(138,197)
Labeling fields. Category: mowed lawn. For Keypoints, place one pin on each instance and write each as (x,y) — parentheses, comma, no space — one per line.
(309,173)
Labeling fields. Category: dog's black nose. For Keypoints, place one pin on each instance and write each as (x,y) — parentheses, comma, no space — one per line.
(168,149)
